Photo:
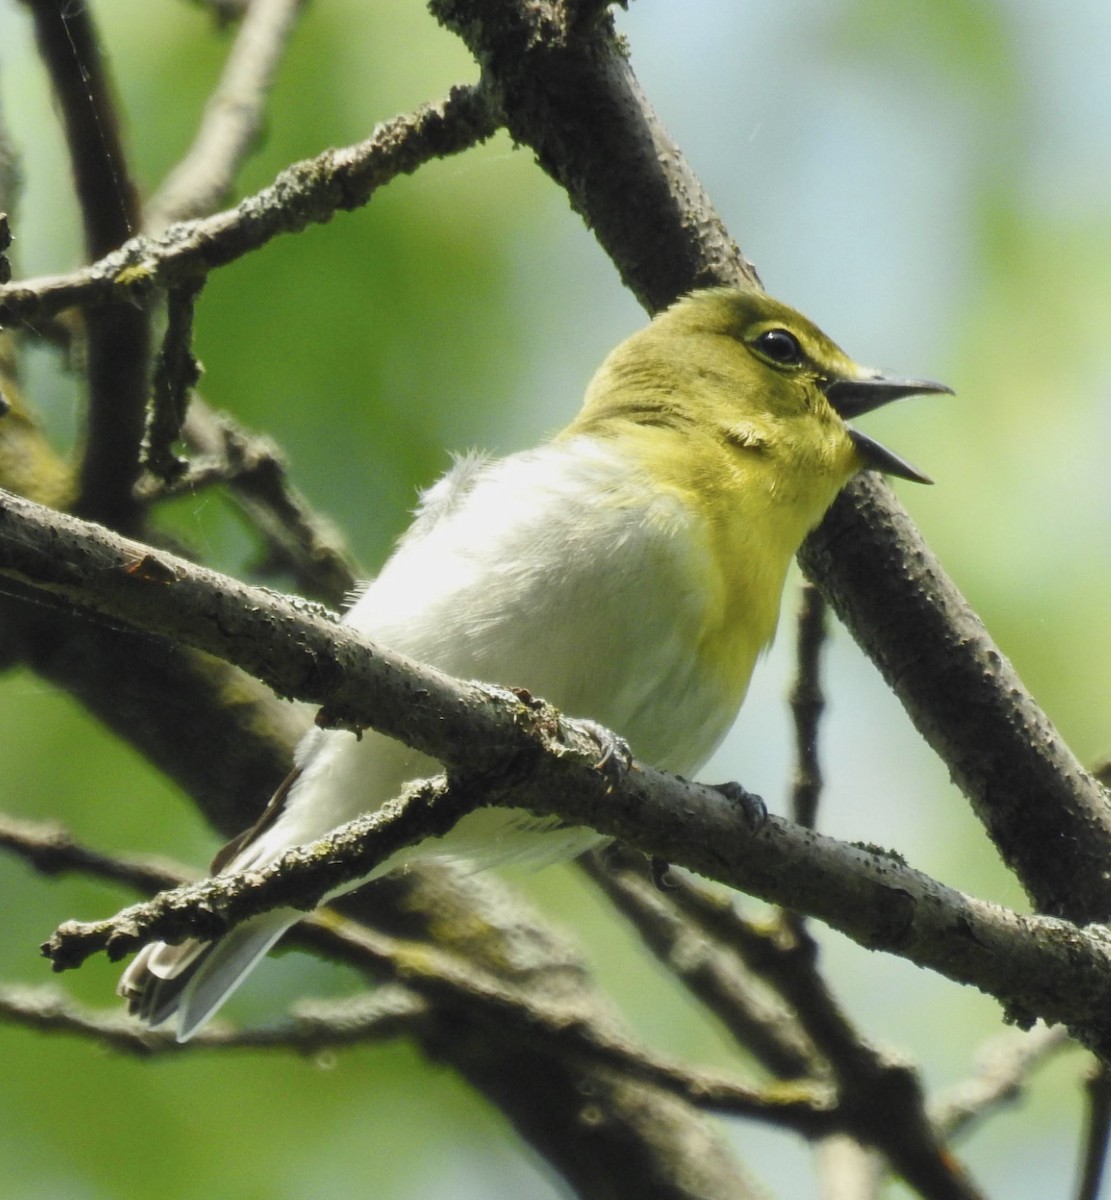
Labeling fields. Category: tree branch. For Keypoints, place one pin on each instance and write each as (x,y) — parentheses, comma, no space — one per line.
(308,192)
(1097,1132)
(51,850)
(390,1012)
(296,538)
(118,334)
(565,88)
(176,374)
(966,700)
(1004,1068)
(639,225)
(70,48)
(440,978)
(526,755)
(881,1097)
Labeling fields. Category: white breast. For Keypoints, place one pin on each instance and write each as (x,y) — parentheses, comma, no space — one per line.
(559,570)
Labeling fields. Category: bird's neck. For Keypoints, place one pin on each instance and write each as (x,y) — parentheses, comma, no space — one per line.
(730,459)
(754,492)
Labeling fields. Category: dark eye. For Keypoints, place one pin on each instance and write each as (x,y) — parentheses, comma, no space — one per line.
(781,346)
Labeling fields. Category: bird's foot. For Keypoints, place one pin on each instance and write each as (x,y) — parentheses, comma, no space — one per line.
(754,809)
(660,869)
(615,758)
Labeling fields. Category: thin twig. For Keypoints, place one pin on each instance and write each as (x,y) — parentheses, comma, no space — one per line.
(393,1011)
(176,373)
(233,118)
(882,1096)
(563,1029)
(711,972)
(438,976)
(296,538)
(807,705)
(300,878)
(1004,1067)
(386,1014)
(51,849)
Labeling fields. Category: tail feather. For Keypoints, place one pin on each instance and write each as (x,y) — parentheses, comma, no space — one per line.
(194,979)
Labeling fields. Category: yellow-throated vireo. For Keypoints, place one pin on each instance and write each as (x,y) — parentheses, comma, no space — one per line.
(629,571)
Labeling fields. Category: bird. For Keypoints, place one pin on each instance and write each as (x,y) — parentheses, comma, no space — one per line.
(629,571)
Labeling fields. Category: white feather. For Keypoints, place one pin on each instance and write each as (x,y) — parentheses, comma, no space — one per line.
(562,570)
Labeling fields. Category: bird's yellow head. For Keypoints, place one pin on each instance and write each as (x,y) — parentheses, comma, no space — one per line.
(756,377)
(734,410)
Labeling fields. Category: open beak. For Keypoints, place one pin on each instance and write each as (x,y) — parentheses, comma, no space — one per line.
(851,397)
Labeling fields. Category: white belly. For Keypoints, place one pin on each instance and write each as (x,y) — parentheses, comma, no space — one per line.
(511,575)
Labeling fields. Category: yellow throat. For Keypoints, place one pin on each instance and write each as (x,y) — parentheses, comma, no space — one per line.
(734,404)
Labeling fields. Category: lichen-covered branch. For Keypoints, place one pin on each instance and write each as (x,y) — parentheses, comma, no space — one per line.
(307,192)
(527,755)
(386,1014)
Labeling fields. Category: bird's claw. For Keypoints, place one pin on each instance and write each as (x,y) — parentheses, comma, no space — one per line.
(752,806)
(661,874)
(616,757)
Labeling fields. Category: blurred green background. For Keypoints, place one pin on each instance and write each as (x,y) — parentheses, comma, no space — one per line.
(929,181)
